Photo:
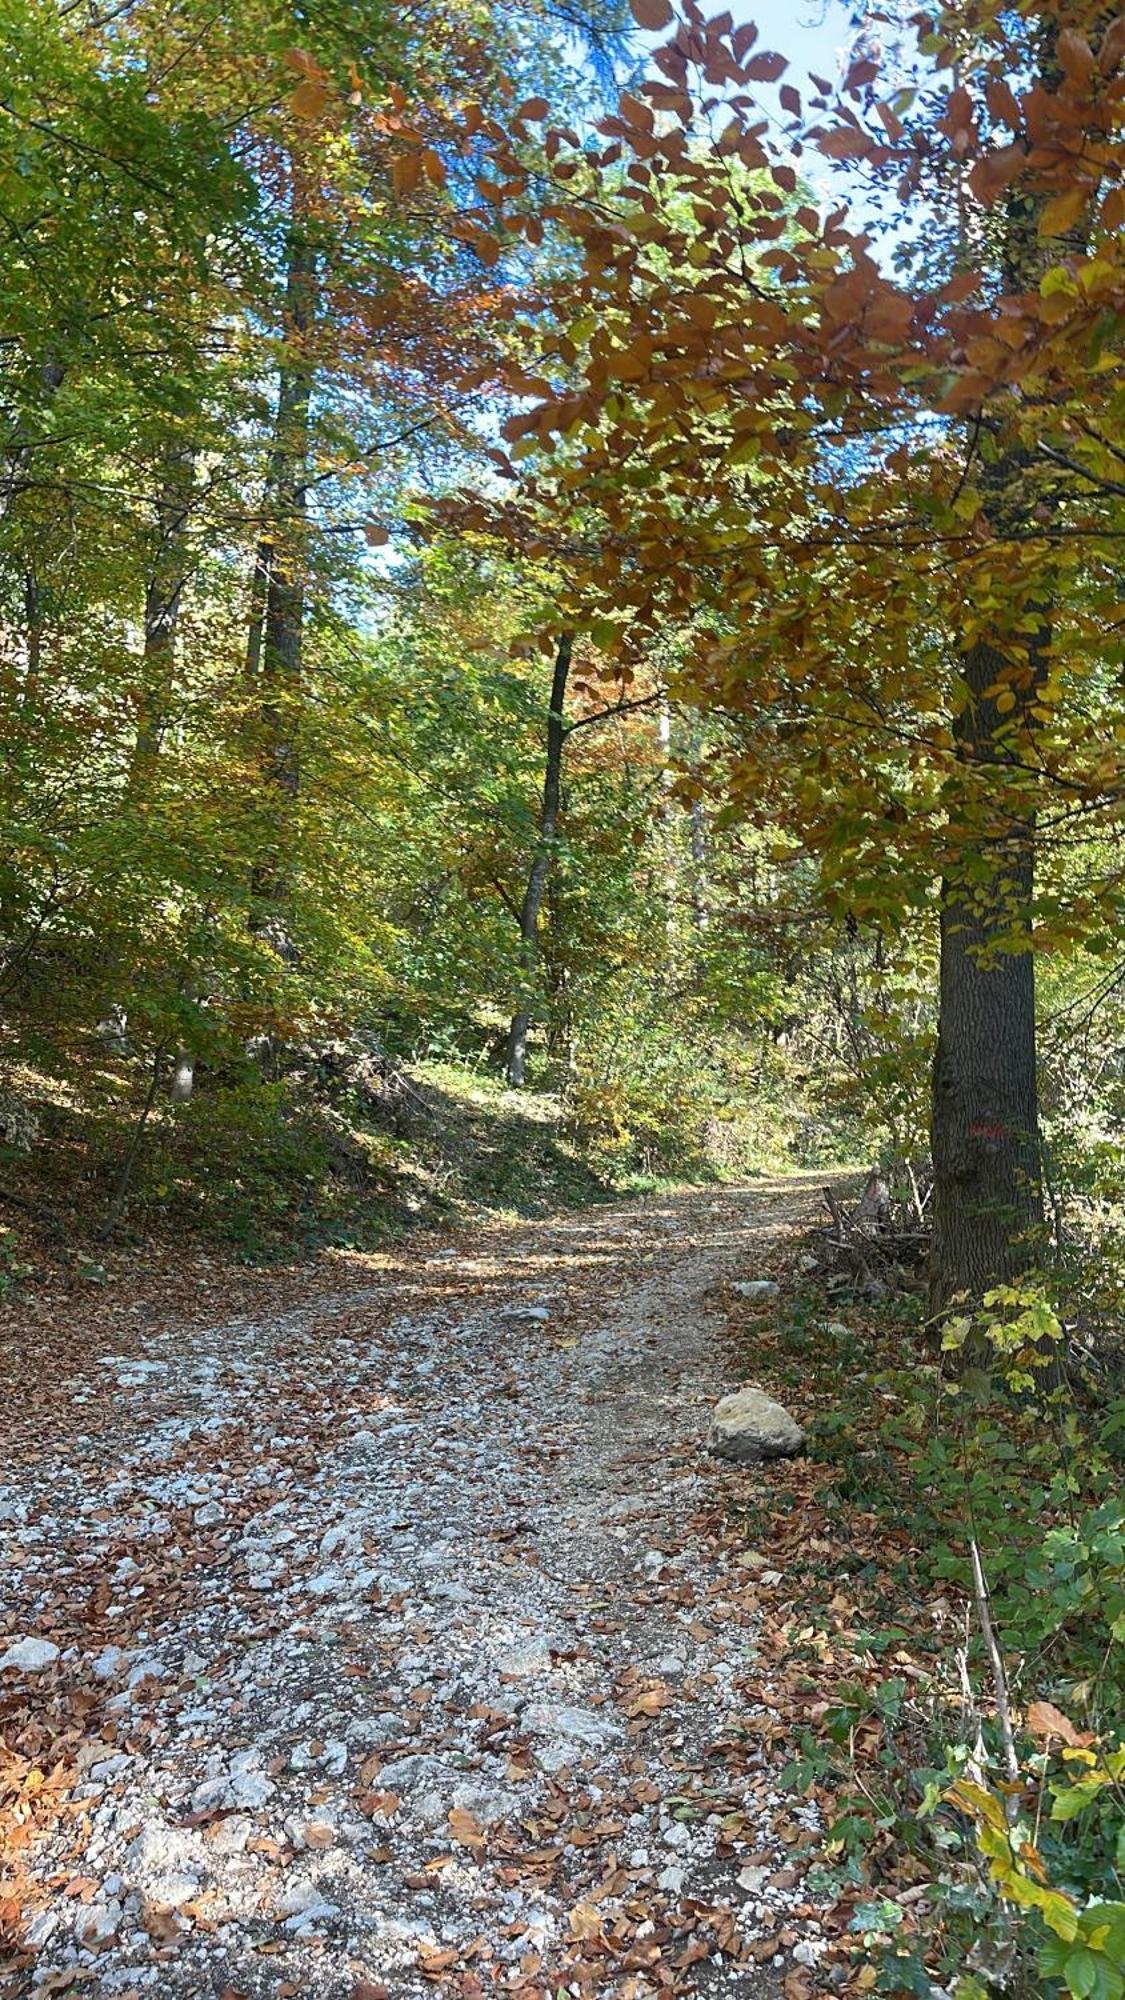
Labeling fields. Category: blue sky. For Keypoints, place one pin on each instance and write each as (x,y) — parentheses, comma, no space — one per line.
(810,32)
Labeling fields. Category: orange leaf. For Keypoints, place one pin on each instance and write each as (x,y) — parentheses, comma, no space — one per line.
(1003,104)
(406,172)
(1076,56)
(1044,1719)
(1112,50)
(1063,211)
(845,142)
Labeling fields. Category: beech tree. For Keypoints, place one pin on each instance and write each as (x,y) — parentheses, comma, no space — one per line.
(886,506)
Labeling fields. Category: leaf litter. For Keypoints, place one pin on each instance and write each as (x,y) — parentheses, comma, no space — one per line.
(404,1643)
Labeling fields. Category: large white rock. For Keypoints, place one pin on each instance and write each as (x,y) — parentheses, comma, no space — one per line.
(749,1426)
(30,1655)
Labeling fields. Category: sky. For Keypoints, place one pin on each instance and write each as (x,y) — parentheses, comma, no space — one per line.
(810,32)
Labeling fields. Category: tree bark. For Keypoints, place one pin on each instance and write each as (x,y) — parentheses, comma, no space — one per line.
(516,1061)
(988,1204)
(988,1199)
(277,613)
(164,589)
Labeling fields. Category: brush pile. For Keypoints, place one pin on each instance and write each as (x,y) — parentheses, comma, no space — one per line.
(879,1243)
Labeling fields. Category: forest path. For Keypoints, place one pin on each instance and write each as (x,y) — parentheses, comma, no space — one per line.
(404,1645)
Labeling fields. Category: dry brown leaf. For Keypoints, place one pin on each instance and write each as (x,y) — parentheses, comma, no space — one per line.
(650,1702)
(651,14)
(465,1828)
(1044,1719)
(585,1921)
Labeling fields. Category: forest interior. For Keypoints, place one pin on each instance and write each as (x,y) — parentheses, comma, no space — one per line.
(562,954)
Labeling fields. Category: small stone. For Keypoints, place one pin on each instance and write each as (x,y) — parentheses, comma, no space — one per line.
(160,1850)
(527,1656)
(536,1314)
(171,1892)
(110,1663)
(334,1757)
(30,1655)
(756,1288)
(749,1426)
(303,1903)
(580,1725)
(110,1767)
(752,1879)
(807,1952)
(97,1922)
(231,1835)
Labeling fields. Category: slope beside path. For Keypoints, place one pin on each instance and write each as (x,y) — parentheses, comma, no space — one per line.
(405,1644)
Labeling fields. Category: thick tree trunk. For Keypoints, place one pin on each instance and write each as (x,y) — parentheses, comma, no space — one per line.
(988,1195)
(516,1062)
(988,1205)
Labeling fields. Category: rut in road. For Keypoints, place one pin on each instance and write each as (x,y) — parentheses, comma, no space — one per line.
(400,1647)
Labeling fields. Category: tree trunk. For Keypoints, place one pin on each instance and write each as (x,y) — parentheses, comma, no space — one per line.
(516,1063)
(277,613)
(988,1196)
(988,1205)
(164,589)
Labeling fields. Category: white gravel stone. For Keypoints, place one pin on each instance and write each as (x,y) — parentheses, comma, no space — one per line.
(30,1656)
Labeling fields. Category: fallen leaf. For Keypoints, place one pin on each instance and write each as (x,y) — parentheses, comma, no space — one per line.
(465,1828)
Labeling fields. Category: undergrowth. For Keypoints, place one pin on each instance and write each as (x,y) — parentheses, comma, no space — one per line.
(974,1799)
